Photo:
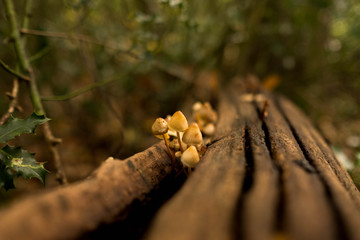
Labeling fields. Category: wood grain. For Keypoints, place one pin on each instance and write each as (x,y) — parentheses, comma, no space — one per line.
(69,212)
(270,177)
(291,187)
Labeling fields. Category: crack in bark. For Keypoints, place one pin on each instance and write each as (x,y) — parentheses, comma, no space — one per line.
(249,170)
(342,234)
(247,183)
(280,208)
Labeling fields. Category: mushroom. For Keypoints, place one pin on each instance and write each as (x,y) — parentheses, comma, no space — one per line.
(207,113)
(190,158)
(174,144)
(178,154)
(178,123)
(193,136)
(197,106)
(204,114)
(160,128)
(209,129)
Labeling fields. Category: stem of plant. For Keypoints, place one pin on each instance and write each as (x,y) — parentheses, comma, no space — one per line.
(13,72)
(78,92)
(178,137)
(13,102)
(34,92)
(170,152)
(26,20)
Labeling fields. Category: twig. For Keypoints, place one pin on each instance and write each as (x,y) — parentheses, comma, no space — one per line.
(71,36)
(53,142)
(77,37)
(13,72)
(26,20)
(78,92)
(40,54)
(173,70)
(13,102)
(34,92)
(14,93)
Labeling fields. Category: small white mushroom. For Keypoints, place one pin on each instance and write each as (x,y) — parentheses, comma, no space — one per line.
(209,129)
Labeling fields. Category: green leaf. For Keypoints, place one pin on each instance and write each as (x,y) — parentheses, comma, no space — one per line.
(6,178)
(15,126)
(22,163)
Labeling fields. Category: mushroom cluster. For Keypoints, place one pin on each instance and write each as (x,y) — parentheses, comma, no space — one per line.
(185,142)
(206,117)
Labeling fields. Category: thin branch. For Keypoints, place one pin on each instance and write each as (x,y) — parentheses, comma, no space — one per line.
(177,72)
(13,72)
(15,90)
(77,37)
(26,20)
(78,92)
(13,102)
(40,54)
(34,91)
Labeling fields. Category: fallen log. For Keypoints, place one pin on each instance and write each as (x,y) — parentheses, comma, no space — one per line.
(269,174)
(71,211)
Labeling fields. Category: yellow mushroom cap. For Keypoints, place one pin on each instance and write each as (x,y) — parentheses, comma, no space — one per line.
(172,133)
(190,158)
(197,106)
(159,127)
(167,119)
(178,154)
(209,129)
(192,135)
(162,136)
(178,122)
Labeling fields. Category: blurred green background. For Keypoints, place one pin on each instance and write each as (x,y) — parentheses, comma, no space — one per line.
(148,58)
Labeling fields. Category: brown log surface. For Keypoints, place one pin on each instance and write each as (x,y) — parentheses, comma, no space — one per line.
(71,211)
(270,178)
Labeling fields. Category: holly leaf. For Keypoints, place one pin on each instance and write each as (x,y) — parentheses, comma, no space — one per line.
(6,178)
(15,126)
(22,163)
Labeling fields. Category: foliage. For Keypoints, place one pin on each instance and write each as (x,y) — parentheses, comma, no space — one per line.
(119,64)
(15,126)
(15,161)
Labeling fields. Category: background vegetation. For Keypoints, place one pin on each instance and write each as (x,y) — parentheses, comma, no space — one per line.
(107,69)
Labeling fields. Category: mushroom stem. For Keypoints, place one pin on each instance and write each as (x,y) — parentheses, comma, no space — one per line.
(178,136)
(189,170)
(168,148)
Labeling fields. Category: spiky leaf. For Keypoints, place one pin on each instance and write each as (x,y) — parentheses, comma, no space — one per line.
(22,163)
(15,126)
(6,178)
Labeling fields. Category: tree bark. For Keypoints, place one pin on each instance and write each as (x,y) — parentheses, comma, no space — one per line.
(267,174)
(69,212)
(268,179)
